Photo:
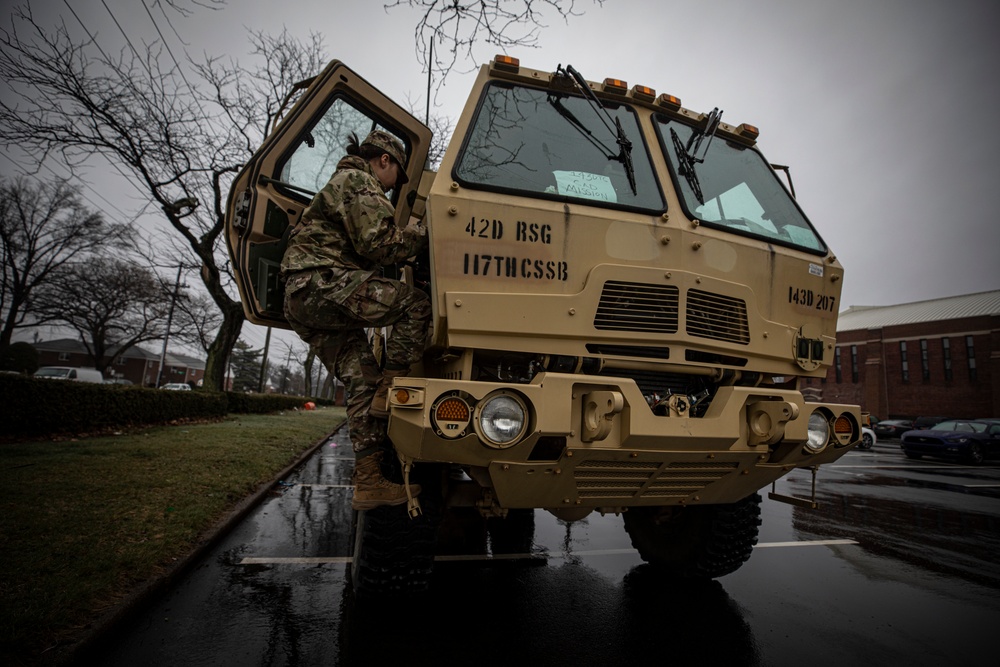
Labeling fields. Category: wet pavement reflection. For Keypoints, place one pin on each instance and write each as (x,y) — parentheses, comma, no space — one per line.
(897,566)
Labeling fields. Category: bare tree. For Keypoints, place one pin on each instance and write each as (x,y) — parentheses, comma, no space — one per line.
(43,227)
(176,143)
(196,319)
(456,26)
(113,304)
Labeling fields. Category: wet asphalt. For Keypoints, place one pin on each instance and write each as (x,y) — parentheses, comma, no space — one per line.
(900,565)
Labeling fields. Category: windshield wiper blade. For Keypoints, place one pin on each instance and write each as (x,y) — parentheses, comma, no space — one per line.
(626,155)
(685,166)
(624,145)
(687,156)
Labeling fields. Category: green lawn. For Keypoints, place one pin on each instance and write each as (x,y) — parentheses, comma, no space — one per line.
(83,522)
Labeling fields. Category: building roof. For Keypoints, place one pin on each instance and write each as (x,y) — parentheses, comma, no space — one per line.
(948,308)
(134,352)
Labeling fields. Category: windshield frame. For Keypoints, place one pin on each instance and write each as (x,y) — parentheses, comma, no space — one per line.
(650,178)
(663,123)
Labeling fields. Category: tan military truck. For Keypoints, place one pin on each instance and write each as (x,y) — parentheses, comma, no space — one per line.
(624,293)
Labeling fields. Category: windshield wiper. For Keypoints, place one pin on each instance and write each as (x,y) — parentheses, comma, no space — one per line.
(624,145)
(687,156)
(556,102)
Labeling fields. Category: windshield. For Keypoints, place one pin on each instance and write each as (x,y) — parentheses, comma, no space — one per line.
(967,427)
(52,372)
(738,191)
(555,146)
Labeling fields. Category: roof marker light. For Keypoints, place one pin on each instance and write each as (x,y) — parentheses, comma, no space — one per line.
(644,93)
(669,101)
(748,131)
(507,63)
(616,86)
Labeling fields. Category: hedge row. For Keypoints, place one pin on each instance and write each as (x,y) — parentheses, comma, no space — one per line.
(35,407)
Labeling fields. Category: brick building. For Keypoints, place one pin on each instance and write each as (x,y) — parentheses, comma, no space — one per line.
(939,357)
(137,365)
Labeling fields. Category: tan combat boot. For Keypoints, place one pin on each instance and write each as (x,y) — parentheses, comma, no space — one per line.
(372,489)
(380,404)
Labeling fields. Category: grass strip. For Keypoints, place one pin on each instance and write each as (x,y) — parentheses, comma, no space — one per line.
(83,522)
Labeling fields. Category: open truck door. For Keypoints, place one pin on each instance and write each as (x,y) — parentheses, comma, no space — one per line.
(294,162)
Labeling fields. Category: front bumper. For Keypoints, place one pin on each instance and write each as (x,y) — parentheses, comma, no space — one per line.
(592,441)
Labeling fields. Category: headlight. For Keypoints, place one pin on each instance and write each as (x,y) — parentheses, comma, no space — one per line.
(819,431)
(502,420)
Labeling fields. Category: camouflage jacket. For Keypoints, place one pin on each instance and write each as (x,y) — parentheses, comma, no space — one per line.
(348,231)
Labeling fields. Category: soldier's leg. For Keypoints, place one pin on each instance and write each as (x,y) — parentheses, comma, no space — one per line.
(335,334)
(380,302)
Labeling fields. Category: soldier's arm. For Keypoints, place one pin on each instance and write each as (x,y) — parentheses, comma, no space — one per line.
(372,228)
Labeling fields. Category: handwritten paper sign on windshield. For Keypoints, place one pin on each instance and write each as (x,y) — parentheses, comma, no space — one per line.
(585,185)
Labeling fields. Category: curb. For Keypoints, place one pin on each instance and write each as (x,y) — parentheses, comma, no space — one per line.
(145,594)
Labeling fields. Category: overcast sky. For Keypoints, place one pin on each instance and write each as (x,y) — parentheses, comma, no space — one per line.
(882,108)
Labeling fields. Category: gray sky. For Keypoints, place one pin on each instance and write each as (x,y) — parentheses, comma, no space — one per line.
(882,108)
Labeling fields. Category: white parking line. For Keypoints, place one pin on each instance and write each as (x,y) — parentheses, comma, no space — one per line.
(337,560)
(910,467)
(805,543)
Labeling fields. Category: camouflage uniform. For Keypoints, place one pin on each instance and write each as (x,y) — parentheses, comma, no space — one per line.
(334,289)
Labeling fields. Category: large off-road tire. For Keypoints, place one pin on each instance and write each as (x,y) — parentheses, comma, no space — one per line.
(394,553)
(699,542)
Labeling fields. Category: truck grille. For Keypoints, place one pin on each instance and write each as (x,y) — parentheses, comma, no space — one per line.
(628,306)
(717,316)
(629,480)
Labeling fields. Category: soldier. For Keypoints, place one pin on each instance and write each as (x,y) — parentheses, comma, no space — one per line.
(334,290)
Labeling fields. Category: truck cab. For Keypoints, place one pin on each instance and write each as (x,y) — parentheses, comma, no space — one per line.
(624,293)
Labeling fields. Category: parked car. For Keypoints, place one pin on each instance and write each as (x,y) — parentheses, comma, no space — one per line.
(69,373)
(971,440)
(928,422)
(119,381)
(892,428)
(177,386)
(868,438)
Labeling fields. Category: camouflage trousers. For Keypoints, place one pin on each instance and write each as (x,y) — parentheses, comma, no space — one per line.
(336,333)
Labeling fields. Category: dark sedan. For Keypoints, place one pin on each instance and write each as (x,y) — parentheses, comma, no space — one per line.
(970,440)
(892,428)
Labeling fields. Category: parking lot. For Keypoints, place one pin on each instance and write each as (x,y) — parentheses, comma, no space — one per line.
(898,565)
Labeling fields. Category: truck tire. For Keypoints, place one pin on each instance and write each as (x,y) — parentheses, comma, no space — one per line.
(393,553)
(698,542)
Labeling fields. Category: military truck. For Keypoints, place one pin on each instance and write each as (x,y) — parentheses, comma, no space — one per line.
(624,294)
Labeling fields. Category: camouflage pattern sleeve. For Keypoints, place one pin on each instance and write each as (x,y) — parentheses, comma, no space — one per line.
(368,218)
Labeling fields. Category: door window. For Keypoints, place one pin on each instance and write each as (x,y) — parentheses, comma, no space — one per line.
(316,154)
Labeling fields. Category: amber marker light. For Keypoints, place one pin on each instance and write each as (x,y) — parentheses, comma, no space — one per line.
(843,425)
(644,93)
(453,410)
(616,86)
(748,131)
(402,396)
(669,101)
(451,416)
(507,63)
